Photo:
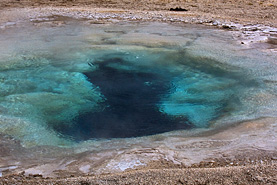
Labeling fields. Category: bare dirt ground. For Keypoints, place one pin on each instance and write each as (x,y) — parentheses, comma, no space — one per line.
(254,174)
(260,11)
(260,168)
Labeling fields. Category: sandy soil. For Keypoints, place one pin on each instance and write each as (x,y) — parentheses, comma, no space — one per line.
(261,11)
(243,167)
(254,174)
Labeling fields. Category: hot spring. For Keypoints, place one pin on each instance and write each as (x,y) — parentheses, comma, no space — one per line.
(86,87)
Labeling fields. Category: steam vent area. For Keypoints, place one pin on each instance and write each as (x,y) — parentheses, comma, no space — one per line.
(79,96)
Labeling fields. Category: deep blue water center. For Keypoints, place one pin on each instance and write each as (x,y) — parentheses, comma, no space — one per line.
(130,106)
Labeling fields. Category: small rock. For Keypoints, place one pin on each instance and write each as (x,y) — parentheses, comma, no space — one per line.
(272,40)
(178,9)
(226,27)
(182,181)
(35,175)
(215,23)
(252,29)
(84,183)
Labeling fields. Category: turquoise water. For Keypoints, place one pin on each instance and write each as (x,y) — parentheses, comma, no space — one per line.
(76,86)
(120,95)
(156,96)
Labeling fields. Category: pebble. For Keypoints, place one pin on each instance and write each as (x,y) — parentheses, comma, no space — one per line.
(272,40)
(226,26)
(215,23)
(250,28)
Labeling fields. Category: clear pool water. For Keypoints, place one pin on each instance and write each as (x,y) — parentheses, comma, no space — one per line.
(145,96)
(62,85)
